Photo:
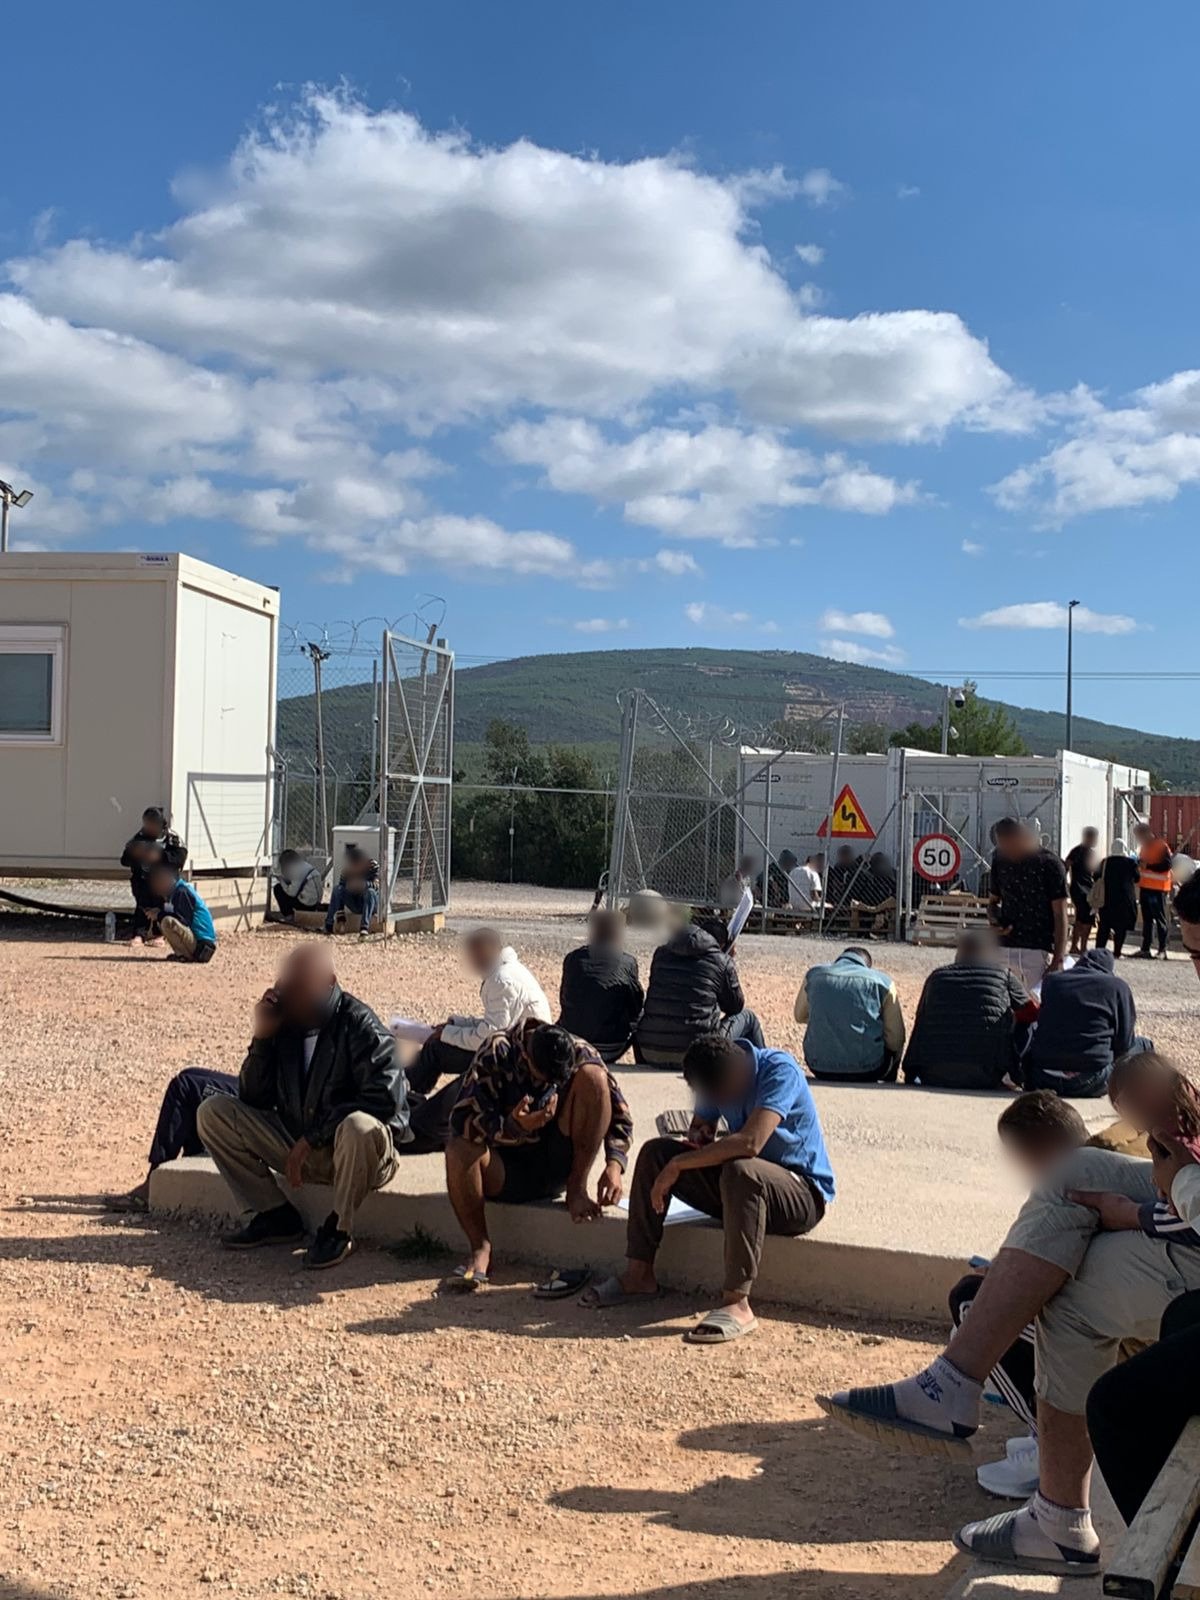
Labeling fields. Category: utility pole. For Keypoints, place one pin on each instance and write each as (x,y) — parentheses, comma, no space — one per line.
(10,497)
(1071,604)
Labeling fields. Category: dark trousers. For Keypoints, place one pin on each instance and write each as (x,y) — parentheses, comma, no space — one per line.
(436,1059)
(288,903)
(1154,917)
(741,1025)
(1117,931)
(1013,1373)
(1136,1412)
(175,1133)
(1076,1085)
(752,1198)
(885,1072)
(429,1118)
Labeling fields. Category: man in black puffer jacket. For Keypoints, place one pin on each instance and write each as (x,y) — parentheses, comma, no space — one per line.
(693,990)
(601,993)
(962,1037)
(321,1099)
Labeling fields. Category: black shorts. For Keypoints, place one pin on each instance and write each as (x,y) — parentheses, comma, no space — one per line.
(536,1171)
(1084,915)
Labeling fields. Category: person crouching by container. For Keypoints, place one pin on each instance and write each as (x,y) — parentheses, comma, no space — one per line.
(183,919)
(153,842)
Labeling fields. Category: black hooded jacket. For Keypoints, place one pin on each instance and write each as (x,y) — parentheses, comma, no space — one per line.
(1086,1020)
(600,997)
(353,1068)
(693,985)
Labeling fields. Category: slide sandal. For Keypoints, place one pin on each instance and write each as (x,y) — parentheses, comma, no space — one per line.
(608,1293)
(562,1282)
(719,1327)
(464,1280)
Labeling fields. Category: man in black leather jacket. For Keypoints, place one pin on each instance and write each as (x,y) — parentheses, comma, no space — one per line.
(321,1098)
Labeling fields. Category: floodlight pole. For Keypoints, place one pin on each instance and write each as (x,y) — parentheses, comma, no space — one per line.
(9,497)
(1071,604)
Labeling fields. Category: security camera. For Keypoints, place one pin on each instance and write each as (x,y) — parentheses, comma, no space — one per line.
(959,700)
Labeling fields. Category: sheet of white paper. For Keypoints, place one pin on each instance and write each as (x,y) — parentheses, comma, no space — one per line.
(676,1211)
(409,1028)
(741,916)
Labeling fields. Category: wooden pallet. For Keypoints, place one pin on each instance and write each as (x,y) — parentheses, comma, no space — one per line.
(941,918)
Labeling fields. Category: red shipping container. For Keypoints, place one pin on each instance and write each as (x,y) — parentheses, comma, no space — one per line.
(1176,817)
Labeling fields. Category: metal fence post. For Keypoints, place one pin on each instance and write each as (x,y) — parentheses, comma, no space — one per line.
(616,864)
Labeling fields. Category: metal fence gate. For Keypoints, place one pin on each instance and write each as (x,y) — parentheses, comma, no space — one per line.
(416,775)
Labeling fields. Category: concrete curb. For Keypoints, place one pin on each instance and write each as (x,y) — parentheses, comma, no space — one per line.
(820,1273)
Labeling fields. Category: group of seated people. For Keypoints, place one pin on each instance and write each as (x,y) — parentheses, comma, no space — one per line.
(1087,1321)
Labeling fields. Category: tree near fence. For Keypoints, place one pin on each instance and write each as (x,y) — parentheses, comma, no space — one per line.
(556,839)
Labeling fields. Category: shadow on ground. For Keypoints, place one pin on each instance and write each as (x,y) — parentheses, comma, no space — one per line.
(797,1585)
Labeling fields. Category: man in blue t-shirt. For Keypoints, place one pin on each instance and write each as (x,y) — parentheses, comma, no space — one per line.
(769,1173)
(185,921)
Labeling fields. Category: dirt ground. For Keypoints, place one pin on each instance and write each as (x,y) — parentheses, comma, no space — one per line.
(177,1422)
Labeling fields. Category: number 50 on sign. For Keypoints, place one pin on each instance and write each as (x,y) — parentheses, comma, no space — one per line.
(937,857)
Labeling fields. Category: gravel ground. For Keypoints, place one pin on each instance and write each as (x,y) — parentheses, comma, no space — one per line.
(174,1422)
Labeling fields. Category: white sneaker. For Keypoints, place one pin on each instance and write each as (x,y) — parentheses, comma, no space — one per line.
(1014,1478)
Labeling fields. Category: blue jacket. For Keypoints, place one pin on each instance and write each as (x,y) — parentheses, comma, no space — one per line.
(187,907)
(853,1018)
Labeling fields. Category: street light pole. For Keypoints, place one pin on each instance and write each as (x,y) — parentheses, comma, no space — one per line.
(10,497)
(1071,604)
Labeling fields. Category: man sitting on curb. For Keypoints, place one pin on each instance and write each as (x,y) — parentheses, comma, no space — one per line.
(963,1035)
(321,1099)
(510,995)
(855,1027)
(536,1108)
(769,1174)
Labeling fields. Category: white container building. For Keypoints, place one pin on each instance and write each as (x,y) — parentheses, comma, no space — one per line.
(131,680)
(899,796)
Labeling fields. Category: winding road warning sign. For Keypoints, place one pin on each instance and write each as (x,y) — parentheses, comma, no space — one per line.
(849,818)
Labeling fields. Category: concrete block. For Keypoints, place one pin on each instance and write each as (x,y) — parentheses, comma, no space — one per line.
(821,1274)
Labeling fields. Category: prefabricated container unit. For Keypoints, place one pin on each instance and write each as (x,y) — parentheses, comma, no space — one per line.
(904,794)
(129,680)
(1177,818)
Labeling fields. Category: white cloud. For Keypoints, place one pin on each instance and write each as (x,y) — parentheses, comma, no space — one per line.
(601,625)
(970,548)
(352,282)
(675,563)
(1114,459)
(907,191)
(812,255)
(888,655)
(871,623)
(712,483)
(1050,614)
(810,296)
(819,187)
(717,619)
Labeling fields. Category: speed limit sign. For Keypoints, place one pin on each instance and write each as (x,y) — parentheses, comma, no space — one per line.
(937,857)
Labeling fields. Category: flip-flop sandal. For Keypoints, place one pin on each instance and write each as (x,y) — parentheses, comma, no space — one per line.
(126,1204)
(608,1292)
(724,1326)
(992,1540)
(464,1280)
(871,1413)
(562,1282)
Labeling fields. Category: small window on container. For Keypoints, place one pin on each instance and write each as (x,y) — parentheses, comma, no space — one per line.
(31,683)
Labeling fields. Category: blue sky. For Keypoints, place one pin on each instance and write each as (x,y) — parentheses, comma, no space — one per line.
(864,330)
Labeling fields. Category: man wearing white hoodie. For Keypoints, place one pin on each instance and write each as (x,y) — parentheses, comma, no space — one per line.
(510,995)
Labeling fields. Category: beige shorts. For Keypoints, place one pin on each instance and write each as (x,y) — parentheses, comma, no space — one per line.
(1120,1283)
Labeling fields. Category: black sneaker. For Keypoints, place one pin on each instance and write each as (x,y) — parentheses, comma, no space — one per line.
(329,1247)
(281,1225)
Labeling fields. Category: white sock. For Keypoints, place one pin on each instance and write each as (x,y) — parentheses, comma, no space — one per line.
(1070,1526)
(941,1397)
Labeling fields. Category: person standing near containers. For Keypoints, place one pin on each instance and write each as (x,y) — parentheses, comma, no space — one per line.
(1154,888)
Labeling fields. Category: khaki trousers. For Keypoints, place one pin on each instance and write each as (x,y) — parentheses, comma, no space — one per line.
(250,1146)
(752,1198)
(1120,1283)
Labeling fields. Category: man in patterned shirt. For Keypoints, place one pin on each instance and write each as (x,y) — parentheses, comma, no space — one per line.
(535,1109)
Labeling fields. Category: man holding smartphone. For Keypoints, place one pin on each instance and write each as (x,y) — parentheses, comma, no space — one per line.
(321,1099)
(536,1108)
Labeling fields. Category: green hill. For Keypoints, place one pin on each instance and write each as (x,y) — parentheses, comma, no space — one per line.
(572,699)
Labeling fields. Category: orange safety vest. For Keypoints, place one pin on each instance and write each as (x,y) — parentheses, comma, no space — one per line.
(1154,860)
